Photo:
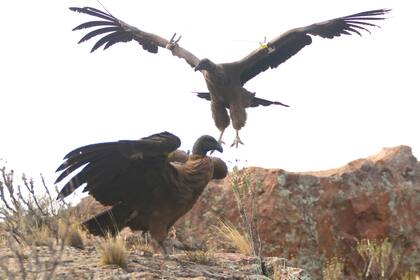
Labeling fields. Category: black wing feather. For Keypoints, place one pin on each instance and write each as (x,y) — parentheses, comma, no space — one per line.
(106,39)
(93,12)
(104,162)
(97,32)
(94,23)
(119,35)
(291,42)
(124,33)
(118,38)
(83,152)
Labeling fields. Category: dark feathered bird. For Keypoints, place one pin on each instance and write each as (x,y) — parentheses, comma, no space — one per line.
(148,183)
(225,81)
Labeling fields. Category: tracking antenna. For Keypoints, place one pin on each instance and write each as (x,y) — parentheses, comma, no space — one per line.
(262,44)
(103,7)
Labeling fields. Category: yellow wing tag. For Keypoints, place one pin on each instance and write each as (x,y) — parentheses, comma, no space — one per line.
(263,46)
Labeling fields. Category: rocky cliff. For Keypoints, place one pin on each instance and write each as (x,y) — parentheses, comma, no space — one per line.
(311,217)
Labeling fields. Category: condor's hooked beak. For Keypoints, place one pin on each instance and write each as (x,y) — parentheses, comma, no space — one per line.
(204,64)
(218,147)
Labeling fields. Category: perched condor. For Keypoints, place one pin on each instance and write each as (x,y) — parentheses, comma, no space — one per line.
(225,81)
(148,183)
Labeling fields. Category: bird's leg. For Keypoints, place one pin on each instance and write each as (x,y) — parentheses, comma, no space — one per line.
(220,137)
(220,140)
(164,250)
(237,140)
(173,43)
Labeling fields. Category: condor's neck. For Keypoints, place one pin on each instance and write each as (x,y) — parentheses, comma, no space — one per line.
(199,169)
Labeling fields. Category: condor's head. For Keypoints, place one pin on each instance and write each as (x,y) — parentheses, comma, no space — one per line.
(205,144)
(205,64)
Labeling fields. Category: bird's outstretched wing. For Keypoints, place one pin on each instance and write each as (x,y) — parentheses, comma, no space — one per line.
(115,31)
(123,171)
(288,44)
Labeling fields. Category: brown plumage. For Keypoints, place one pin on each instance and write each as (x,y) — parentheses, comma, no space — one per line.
(148,183)
(225,81)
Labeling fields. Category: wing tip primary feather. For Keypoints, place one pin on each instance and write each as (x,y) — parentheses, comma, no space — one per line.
(60,196)
(64,193)
(282,104)
(369,15)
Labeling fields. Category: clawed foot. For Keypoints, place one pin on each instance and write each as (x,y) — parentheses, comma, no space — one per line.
(164,246)
(173,43)
(237,141)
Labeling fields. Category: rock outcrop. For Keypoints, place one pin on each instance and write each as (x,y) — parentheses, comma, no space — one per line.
(311,217)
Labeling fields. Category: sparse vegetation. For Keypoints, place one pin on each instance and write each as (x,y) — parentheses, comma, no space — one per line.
(139,243)
(408,276)
(23,213)
(40,236)
(333,269)
(72,234)
(245,189)
(234,237)
(381,261)
(114,251)
(28,224)
(381,258)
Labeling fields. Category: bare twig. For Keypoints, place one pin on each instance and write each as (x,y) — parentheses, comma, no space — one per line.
(7,181)
(50,199)
(30,187)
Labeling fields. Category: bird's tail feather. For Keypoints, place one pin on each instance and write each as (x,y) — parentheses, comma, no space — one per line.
(255,101)
(110,221)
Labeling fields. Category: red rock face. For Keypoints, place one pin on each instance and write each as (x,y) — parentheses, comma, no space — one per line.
(312,217)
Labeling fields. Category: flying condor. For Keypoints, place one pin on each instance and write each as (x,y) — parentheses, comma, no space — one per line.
(225,81)
(148,183)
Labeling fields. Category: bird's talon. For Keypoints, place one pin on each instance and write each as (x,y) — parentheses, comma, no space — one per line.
(177,40)
(236,142)
(173,43)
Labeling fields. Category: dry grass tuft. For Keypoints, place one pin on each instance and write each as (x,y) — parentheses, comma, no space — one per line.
(381,258)
(409,276)
(234,237)
(41,236)
(199,256)
(246,187)
(333,269)
(138,243)
(72,234)
(113,251)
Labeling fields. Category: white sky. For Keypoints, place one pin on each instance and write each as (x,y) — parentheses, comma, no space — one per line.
(349,96)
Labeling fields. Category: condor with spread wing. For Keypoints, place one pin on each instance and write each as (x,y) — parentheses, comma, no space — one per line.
(225,81)
(148,183)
